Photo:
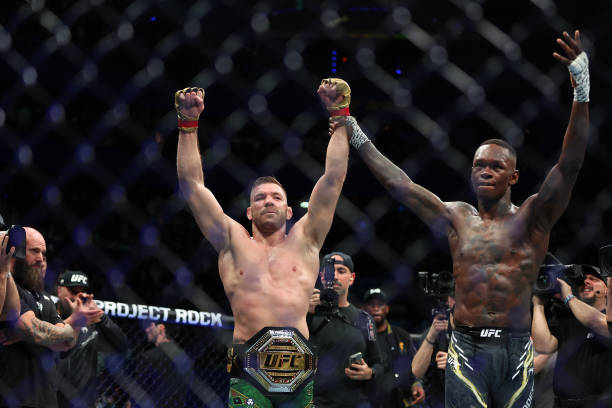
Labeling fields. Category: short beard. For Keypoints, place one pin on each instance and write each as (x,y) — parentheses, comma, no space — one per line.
(27,276)
(589,301)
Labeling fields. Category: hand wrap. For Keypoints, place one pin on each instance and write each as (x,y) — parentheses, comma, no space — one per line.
(579,68)
(358,138)
(186,123)
(342,88)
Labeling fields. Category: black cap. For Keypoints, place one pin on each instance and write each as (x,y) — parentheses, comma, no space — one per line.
(375,293)
(347,260)
(73,278)
(593,270)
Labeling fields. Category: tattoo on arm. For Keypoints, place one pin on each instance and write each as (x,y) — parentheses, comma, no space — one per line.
(43,333)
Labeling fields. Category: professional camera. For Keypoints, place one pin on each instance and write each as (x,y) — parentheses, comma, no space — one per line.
(437,284)
(441,309)
(16,238)
(605,261)
(546,283)
(329,297)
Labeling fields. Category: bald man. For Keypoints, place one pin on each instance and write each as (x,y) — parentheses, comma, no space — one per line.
(30,345)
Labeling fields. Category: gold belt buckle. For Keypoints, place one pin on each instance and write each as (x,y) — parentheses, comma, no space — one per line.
(280,360)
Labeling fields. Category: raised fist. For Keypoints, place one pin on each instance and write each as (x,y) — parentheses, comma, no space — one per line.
(189,103)
(335,93)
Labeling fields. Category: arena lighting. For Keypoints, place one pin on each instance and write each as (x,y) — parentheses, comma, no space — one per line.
(304,204)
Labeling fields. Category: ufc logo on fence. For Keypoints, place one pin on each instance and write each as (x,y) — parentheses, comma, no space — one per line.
(490,333)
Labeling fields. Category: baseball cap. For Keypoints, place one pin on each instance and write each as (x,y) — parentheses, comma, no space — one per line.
(593,270)
(375,293)
(73,278)
(347,260)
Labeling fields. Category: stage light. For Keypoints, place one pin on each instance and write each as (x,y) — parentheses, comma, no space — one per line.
(398,71)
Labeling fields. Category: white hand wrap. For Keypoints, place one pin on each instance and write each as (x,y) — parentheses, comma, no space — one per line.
(358,138)
(579,68)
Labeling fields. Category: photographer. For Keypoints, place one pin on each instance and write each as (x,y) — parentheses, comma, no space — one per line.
(582,373)
(78,366)
(429,362)
(349,357)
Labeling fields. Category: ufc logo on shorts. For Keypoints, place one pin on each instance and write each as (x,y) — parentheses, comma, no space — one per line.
(490,333)
(78,279)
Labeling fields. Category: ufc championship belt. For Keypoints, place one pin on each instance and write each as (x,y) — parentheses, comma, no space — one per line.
(342,88)
(276,360)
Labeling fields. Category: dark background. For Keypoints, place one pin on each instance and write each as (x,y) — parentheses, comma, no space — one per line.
(88,130)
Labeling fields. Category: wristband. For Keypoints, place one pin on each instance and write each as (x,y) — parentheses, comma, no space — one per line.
(579,68)
(568,298)
(427,340)
(187,125)
(358,138)
(340,112)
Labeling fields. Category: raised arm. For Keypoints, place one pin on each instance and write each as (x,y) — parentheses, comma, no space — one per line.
(422,358)
(9,297)
(554,194)
(326,192)
(586,314)
(207,212)
(425,204)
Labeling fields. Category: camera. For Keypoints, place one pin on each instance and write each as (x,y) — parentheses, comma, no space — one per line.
(437,284)
(546,283)
(441,309)
(329,297)
(16,238)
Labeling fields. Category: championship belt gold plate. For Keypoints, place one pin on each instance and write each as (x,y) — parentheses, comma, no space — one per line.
(279,359)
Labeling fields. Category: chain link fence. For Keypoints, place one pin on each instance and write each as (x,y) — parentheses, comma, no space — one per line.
(88,133)
(188,371)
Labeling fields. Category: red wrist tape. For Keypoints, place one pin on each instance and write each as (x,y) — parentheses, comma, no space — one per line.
(340,112)
(188,123)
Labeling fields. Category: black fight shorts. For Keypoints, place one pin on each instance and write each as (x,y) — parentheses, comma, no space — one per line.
(489,367)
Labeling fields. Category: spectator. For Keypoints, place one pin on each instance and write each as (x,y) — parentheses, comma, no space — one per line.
(579,334)
(429,362)
(340,330)
(397,385)
(164,371)
(78,367)
(29,351)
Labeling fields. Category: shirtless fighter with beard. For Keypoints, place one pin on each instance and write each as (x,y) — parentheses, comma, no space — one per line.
(268,276)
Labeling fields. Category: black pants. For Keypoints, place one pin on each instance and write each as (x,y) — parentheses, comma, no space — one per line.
(489,367)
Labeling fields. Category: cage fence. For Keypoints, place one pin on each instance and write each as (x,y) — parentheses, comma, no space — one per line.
(188,371)
(88,133)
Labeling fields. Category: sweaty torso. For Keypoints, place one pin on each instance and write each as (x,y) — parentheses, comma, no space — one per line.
(268,285)
(495,264)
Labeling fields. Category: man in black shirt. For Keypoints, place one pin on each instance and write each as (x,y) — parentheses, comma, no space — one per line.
(28,355)
(583,373)
(339,331)
(78,366)
(397,385)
